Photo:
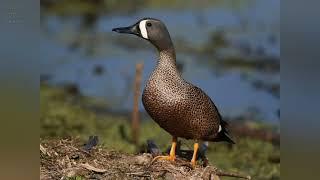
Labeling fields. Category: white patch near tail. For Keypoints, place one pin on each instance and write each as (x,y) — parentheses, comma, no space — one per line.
(220,128)
(143,29)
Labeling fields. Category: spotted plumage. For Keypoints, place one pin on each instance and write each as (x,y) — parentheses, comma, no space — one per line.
(179,107)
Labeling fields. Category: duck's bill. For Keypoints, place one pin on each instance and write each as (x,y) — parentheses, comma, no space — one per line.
(127,30)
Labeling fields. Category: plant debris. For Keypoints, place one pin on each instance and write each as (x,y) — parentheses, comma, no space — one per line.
(58,162)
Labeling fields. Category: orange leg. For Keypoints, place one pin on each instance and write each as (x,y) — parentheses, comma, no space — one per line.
(194,157)
(172,155)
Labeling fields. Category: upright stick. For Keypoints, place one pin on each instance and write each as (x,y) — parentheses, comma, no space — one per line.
(135,111)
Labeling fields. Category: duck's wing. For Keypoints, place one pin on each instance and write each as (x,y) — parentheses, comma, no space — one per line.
(223,135)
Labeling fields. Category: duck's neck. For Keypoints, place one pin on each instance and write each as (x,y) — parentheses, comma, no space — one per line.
(167,60)
(166,67)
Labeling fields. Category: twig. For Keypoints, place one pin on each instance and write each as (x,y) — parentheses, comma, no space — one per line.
(210,170)
(91,168)
(135,111)
(44,151)
(141,174)
(230,174)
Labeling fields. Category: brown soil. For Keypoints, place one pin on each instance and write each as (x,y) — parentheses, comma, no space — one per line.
(66,159)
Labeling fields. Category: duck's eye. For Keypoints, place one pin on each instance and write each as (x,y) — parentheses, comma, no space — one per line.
(149,24)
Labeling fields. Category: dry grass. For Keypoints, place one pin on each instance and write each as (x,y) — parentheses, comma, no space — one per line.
(66,159)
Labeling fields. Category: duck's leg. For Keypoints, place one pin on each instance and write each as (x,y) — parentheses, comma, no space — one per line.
(194,157)
(172,155)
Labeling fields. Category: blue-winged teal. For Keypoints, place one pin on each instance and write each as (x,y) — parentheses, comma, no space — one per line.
(179,107)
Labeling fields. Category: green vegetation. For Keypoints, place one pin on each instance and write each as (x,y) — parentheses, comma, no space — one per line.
(62,115)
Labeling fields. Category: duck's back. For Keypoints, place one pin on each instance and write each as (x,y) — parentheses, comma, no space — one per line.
(180,108)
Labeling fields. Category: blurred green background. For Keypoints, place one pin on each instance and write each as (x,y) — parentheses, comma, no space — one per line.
(229,48)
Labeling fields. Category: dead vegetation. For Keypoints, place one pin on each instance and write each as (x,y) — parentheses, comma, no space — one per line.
(66,159)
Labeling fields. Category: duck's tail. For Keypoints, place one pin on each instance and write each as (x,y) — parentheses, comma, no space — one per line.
(223,134)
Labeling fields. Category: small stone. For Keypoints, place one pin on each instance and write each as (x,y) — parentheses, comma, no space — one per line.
(143,159)
(214,177)
(75,156)
(169,176)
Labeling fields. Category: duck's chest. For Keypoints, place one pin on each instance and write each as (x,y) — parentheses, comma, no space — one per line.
(163,94)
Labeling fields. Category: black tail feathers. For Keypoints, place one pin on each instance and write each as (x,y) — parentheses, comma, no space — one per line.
(223,135)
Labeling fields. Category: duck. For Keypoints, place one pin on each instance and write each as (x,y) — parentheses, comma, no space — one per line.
(177,106)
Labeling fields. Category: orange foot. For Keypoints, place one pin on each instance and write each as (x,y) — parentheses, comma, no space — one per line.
(172,156)
(194,157)
(193,164)
(168,158)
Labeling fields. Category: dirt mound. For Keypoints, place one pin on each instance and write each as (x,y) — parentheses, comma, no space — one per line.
(66,159)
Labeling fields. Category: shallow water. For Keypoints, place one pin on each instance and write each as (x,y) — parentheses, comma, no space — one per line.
(231,93)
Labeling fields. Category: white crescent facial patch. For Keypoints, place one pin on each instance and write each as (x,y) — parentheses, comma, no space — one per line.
(219,128)
(143,29)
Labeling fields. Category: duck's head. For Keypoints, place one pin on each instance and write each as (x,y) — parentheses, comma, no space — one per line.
(150,29)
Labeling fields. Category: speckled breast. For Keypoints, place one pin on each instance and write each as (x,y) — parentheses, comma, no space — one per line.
(181,109)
